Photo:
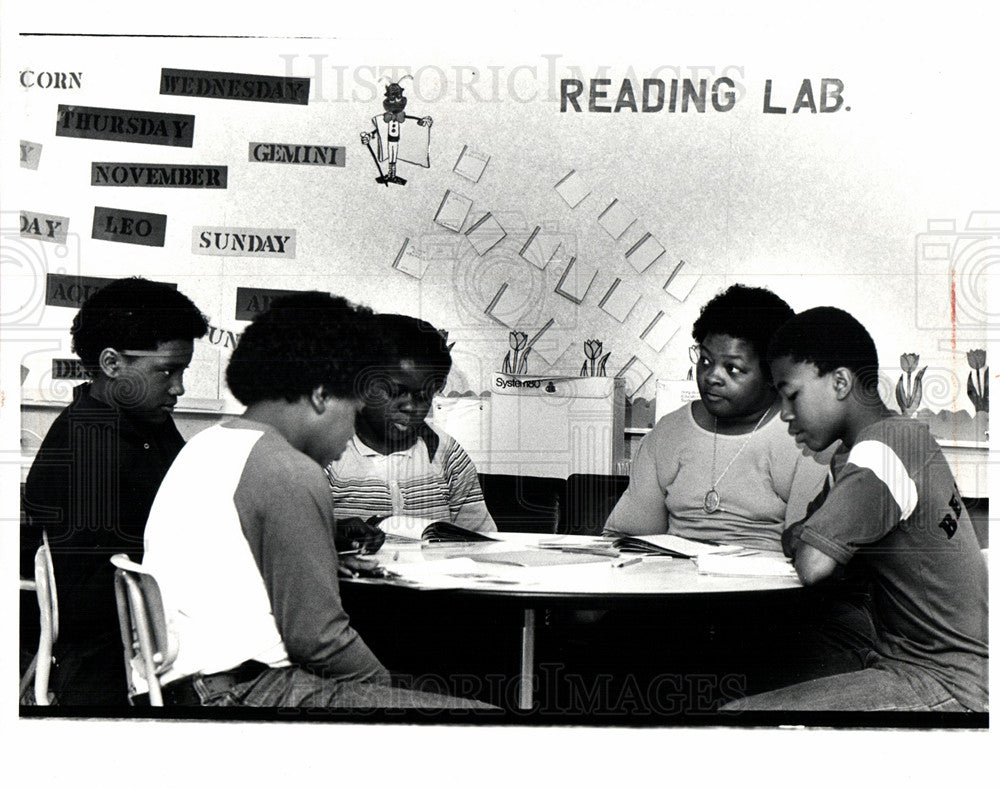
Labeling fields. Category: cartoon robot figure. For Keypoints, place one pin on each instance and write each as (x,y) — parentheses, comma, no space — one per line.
(387,136)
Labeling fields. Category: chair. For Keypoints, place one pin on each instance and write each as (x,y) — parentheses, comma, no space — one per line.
(148,647)
(523,503)
(44,586)
(588,501)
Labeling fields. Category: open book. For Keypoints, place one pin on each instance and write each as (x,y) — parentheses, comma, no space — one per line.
(406,527)
(668,544)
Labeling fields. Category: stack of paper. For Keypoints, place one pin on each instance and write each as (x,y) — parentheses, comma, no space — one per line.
(747,564)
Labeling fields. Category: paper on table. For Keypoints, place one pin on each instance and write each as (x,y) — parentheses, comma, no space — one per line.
(537,558)
(673,544)
(761,564)
(457,573)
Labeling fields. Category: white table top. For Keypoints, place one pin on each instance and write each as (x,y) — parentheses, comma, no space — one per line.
(451,566)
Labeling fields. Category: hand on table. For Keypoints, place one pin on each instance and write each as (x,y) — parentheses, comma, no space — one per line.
(355,534)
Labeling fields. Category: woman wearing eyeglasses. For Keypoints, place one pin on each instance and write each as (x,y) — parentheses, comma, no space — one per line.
(723,468)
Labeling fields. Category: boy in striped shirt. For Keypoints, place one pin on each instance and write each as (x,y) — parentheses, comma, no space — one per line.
(890,504)
(397,464)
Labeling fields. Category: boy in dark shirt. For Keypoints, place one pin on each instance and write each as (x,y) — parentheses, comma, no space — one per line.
(891,505)
(96,473)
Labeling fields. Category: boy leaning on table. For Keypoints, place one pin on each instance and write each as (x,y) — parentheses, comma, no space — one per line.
(891,505)
(240,537)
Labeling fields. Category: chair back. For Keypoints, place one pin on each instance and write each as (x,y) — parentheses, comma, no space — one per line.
(147,646)
(48,619)
(523,503)
(588,502)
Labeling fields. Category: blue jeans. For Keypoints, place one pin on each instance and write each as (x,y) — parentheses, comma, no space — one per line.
(293,687)
(883,686)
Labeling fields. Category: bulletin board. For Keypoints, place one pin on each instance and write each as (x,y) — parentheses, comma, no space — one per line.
(552,208)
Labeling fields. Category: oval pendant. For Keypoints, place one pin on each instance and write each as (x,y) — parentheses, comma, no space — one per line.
(711,501)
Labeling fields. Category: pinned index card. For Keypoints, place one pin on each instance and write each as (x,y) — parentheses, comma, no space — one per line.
(658,332)
(646,251)
(616,219)
(409,261)
(453,210)
(619,300)
(572,189)
(682,281)
(471,164)
(635,374)
(576,280)
(485,233)
(541,247)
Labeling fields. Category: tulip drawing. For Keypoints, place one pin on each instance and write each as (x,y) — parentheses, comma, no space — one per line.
(512,364)
(978,387)
(592,366)
(444,337)
(908,395)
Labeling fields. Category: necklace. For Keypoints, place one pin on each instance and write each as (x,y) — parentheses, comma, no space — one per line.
(712,499)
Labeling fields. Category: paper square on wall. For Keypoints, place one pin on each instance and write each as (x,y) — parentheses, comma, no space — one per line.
(619,300)
(550,345)
(409,262)
(453,210)
(635,374)
(541,247)
(682,281)
(513,305)
(572,189)
(616,219)
(658,332)
(485,234)
(647,250)
(576,280)
(31,154)
(471,164)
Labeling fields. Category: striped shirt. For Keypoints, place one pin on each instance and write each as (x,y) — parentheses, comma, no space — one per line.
(364,483)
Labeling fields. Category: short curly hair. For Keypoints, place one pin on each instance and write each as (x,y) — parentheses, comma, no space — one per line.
(829,338)
(133,314)
(405,337)
(752,314)
(303,341)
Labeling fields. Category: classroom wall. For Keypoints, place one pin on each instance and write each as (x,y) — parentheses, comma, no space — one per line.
(874,209)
